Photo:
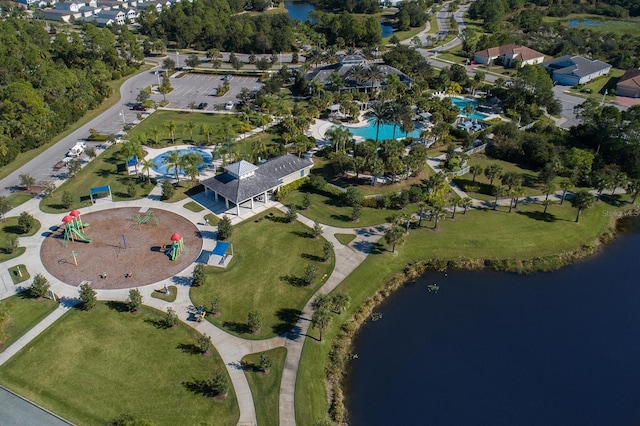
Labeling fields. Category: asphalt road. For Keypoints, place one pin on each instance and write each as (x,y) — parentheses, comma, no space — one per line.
(200,88)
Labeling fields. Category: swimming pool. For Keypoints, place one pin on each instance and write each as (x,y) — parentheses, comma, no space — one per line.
(461,103)
(160,167)
(385,132)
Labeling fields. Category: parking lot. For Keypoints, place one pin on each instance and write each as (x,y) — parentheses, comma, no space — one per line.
(199,88)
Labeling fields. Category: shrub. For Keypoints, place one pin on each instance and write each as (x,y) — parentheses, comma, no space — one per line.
(224,228)
(40,286)
(310,275)
(66,200)
(254,322)
(170,318)
(371,202)
(265,363)
(215,304)
(26,222)
(292,214)
(135,300)
(352,196)
(167,190)
(327,248)
(205,344)
(88,297)
(11,243)
(199,276)
(220,385)
(306,201)
(356,213)
(131,189)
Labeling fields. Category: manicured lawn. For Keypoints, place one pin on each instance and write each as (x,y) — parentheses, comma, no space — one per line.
(329,211)
(160,294)
(595,89)
(160,119)
(265,388)
(193,206)
(269,258)
(19,273)
(18,198)
(607,25)
(479,234)
(9,226)
(24,312)
(184,189)
(345,238)
(91,367)
(106,169)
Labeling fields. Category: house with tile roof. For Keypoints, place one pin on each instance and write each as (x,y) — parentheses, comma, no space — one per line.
(629,84)
(509,55)
(573,70)
(244,184)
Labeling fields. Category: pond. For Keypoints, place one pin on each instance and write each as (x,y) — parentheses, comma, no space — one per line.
(573,23)
(554,348)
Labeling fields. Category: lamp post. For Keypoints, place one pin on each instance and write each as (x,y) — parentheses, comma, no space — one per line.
(177,59)
(158,77)
(122,115)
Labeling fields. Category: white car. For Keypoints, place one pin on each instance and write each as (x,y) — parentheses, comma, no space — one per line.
(229,106)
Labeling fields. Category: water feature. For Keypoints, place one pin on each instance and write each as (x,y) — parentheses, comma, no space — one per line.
(461,103)
(495,348)
(573,23)
(385,132)
(160,167)
(300,10)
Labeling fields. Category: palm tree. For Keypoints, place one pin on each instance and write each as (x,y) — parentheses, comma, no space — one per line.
(634,187)
(466,203)
(475,170)
(321,320)
(379,112)
(548,189)
(393,236)
(498,191)
(566,185)
(154,132)
(492,172)
(581,200)
(339,136)
(171,128)
(173,162)
(206,130)
(191,163)
(358,73)
(190,125)
(374,74)
(147,165)
(422,208)
(546,204)
(132,149)
(438,213)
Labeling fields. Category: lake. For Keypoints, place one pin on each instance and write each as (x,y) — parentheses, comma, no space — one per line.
(301,10)
(495,348)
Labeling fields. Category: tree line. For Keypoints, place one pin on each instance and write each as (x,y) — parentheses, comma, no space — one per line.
(47,83)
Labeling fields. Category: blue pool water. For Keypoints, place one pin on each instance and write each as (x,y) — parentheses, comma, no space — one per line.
(386,131)
(573,23)
(160,167)
(461,103)
(387,30)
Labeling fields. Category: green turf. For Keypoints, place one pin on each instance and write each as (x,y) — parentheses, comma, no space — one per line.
(19,273)
(213,219)
(595,89)
(183,190)
(619,27)
(269,258)
(160,119)
(479,234)
(328,211)
(106,169)
(265,388)
(24,312)
(193,206)
(9,225)
(160,294)
(345,239)
(18,198)
(91,367)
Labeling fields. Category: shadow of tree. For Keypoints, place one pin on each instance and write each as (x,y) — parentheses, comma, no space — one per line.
(293,280)
(311,257)
(614,200)
(302,234)
(117,306)
(158,323)
(544,217)
(341,217)
(200,387)
(236,327)
(189,348)
(184,281)
(277,219)
(289,318)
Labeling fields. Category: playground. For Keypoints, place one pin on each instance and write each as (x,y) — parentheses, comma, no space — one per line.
(120,248)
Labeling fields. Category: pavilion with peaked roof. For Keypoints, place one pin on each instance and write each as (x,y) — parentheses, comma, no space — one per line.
(245,184)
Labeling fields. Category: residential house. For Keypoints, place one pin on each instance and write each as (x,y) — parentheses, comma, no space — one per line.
(509,55)
(629,84)
(573,70)
(244,184)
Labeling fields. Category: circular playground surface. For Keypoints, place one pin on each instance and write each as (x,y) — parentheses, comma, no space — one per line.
(107,263)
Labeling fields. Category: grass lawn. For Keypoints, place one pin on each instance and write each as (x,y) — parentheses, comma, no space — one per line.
(18,198)
(486,234)
(595,88)
(345,238)
(91,367)
(160,294)
(193,206)
(269,258)
(213,219)
(329,211)
(183,190)
(19,273)
(159,120)
(25,157)
(265,388)
(9,225)
(106,169)
(24,312)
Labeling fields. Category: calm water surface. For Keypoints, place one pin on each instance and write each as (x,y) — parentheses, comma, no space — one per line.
(492,348)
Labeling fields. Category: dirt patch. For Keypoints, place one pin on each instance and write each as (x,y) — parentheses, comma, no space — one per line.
(144,257)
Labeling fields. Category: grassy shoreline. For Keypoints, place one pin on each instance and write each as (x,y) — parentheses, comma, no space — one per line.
(323,365)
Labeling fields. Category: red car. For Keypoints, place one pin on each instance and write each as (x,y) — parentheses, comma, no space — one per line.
(139,107)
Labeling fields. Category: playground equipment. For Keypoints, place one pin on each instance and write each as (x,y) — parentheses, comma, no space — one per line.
(72,228)
(177,246)
(148,217)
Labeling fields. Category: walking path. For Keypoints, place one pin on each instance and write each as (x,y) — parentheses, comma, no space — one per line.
(231,348)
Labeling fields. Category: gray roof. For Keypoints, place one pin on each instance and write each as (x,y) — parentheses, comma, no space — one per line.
(240,168)
(267,176)
(574,65)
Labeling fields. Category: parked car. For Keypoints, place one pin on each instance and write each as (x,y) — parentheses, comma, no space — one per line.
(202,105)
(229,105)
(227,77)
(139,107)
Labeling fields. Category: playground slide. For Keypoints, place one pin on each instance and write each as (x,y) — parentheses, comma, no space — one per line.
(172,252)
(81,236)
